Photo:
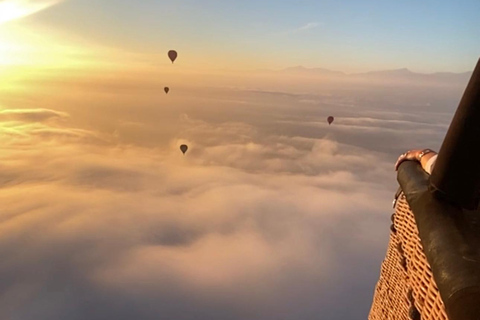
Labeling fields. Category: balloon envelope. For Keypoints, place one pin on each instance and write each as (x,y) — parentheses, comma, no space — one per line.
(166,89)
(184,148)
(172,54)
(330,120)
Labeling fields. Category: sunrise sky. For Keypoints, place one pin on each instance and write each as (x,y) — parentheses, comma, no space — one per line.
(350,36)
(272,213)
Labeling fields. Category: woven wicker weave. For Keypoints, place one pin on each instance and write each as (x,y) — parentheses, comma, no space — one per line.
(406,288)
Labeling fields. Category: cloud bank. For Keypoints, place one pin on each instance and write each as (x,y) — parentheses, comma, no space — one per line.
(271,214)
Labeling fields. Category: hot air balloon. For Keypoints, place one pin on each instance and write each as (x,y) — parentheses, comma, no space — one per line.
(166,89)
(330,120)
(184,148)
(172,54)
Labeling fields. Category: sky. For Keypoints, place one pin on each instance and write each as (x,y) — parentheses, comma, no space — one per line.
(349,36)
(272,213)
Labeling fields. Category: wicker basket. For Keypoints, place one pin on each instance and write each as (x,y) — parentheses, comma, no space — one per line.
(406,288)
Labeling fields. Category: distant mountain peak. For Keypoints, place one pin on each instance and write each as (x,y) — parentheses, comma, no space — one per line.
(402,74)
(296,68)
(302,69)
(401,71)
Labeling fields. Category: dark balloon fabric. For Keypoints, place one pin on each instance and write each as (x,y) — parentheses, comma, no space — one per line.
(172,54)
(184,148)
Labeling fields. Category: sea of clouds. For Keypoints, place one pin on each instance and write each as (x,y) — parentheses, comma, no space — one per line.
(271,214)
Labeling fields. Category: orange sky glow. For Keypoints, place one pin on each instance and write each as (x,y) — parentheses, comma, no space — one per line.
(272,213)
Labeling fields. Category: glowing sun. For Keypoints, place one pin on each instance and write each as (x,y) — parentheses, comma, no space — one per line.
(15,9)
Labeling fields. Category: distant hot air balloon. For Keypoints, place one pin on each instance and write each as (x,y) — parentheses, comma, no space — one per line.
(166,89)
(184,148)
(172,54)
(330,120)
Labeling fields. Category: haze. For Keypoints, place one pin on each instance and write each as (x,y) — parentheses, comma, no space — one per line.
(272,213)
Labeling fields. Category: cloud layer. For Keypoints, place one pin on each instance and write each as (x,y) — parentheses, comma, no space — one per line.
(271,214)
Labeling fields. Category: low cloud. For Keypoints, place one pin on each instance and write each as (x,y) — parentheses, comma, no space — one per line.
(31,115)
(37,127)
(271,213)
(226,220)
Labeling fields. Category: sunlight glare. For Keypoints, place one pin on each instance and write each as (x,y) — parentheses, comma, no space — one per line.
(15,9)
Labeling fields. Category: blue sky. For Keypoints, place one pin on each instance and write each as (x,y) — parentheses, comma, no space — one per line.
(345,35)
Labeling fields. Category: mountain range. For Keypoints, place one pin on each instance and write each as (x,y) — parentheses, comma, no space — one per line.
(401,74)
